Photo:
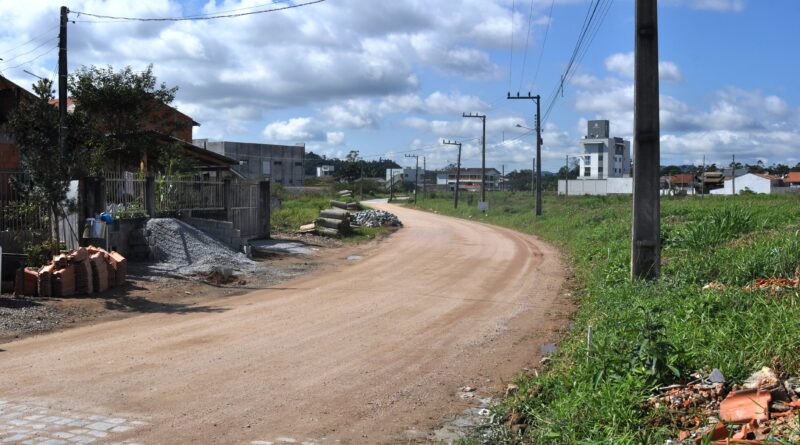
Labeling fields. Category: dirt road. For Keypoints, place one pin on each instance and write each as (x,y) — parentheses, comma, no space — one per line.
(359,354)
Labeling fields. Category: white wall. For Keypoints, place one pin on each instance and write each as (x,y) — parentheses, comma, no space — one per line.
(610,186)
(749,181)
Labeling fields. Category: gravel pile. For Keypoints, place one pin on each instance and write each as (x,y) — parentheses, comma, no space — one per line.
(375,218)
(182,249)
(22,315)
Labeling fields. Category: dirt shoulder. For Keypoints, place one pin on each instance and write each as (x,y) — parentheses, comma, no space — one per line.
(146,293)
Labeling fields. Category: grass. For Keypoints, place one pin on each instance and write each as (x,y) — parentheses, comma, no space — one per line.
(304,209)
(650,334)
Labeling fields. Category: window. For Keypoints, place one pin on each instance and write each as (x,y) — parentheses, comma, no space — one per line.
(278,162)
(600,157)
(265,168)
(620,149)
(587,160)
(298,164)
(587,171)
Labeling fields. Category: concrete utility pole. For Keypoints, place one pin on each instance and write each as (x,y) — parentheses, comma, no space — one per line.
(566,175)
(416,176)
(482,117)
(539,141)
(503,176)
(391,184)
(733,175)
(533,176)
(62,80)
(458,172)
(645,241)
(424,179)
(703,184)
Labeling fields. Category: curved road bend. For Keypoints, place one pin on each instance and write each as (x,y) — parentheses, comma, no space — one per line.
(359,353)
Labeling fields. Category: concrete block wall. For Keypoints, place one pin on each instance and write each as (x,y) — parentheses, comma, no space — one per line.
(222,231)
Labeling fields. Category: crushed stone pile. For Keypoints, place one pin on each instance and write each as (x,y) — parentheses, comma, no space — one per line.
(185,250)
(376,218)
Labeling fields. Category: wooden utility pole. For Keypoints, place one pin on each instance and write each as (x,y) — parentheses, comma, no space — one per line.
(416,176)
(458,172)
(482,117)
(62,79)
(645,241)
(539,142)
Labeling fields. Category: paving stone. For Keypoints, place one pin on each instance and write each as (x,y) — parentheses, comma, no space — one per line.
(101,426)
(82,439)
(80,422)
(120,429)
(53,442)
(116,420)
(96,417)
(63,435)
(15,438)
(98,433)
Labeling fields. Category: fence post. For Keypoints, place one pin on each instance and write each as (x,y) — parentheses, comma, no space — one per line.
(150,196)
(227,199)
(264,211)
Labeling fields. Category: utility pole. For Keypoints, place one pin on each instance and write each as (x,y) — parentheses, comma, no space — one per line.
(391,184)
(458,172)
(645,241)
(703,184)
(539,141)
(733,175)
(424,179)
(416,176)
(362,183)
(503,175)
(533,176)
(62,80)
(482,117)
(566,175)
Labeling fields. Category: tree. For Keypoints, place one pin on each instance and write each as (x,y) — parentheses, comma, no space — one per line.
(127,110)
(47,169)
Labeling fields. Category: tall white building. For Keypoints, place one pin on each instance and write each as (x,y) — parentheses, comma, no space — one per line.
(603,156)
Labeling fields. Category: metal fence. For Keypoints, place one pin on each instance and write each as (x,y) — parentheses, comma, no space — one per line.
(125,191)
(173,195)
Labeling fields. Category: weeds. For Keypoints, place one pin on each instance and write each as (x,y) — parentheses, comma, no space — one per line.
(650,334)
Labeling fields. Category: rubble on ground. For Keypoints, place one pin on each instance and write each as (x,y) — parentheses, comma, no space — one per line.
(82,271)
(376,218)
(185,250)
(765,409)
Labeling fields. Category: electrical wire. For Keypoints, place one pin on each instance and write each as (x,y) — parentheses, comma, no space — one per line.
(33,39)
(527,41)
(511,48)
(34,59)
(190,18)
(544,43)
(50,40)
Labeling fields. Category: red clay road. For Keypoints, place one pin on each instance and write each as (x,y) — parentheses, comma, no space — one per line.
(357,353)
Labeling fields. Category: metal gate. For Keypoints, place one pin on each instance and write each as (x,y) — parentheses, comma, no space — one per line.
(244,209)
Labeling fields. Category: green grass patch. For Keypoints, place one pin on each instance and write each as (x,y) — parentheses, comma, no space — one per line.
(646,335)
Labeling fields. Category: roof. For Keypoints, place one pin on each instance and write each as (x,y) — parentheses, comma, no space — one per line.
(474,171)
(71,106)
(792,177)
(683,178)
(770,177)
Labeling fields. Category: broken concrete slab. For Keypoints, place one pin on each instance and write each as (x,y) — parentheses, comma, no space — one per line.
(281,247)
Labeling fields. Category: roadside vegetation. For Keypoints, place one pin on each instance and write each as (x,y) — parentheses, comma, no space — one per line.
(299,209)
(649,335)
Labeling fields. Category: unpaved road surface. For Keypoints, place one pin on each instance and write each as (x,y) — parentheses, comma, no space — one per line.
(359,353)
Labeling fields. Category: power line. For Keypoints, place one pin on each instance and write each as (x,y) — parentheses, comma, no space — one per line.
(544,43)
(511,48)
(192,18)
(49,50)
(33,39)
(527,40)
(50,40)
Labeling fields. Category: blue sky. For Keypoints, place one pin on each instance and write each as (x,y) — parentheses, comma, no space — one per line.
(386,77)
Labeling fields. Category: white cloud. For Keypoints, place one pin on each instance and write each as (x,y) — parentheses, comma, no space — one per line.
(623,64)
(335,138)
(713,5)
(297,129)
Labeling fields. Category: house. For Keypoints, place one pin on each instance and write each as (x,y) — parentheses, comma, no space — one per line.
(324,171)
(683,183)
(754,182)
(708,181)
(470,179)
(11,95)
(409,174)
(283,164)
(165,125)
(601,155)
(792,179)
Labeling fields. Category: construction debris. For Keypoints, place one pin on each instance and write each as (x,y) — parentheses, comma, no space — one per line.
(333,222)
(344,205)
(82,271)
(376,218)
(765,409)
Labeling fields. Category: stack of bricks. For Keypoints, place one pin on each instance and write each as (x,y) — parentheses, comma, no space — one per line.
(82,271)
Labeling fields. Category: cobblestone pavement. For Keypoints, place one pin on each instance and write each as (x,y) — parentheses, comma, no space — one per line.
(28,424)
